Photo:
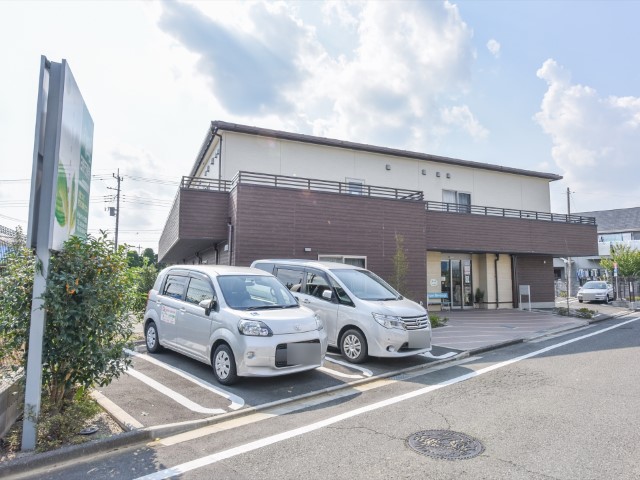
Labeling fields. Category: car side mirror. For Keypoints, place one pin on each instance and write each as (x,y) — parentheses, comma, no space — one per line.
(208,305)
(327,294)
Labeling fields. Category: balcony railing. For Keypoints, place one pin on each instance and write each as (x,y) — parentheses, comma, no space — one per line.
(315,185)
(198,183)
(357,189)
(507,213)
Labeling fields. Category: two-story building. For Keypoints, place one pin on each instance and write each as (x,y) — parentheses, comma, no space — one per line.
(259,193)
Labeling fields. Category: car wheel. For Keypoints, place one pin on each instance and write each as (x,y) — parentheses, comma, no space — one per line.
(151,338)
(224,365)
(606,299)
(580,301)
(353,346)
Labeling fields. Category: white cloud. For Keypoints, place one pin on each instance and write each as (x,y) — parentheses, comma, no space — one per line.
(494,47)
(461,116)
(596,140)
(388,87)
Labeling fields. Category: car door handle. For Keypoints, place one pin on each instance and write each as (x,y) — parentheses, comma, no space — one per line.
(305,300)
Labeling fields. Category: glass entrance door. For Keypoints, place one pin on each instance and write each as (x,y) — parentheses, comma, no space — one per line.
(456,282)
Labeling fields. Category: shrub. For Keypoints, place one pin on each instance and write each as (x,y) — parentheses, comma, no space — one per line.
(89,295)
(436,321)
(16,287)
(585,313)
(145,276)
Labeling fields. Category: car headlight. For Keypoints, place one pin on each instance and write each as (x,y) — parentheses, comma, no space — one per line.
(319,324)
(389,321)
(254,328)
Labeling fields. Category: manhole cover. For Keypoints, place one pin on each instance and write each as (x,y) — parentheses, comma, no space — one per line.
(445,444)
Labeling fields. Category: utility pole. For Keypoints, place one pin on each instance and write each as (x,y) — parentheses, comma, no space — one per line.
(117,212)
(568,257)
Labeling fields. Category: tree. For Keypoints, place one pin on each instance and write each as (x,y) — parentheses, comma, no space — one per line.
(149,254)
(16,287)
(133,259)
(400,267)
(627,258)
(89,294)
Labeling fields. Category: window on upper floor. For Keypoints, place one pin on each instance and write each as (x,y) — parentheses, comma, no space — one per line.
(355,186)
(457,201)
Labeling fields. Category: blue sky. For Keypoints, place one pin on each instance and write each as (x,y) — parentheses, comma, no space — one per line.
(548,86)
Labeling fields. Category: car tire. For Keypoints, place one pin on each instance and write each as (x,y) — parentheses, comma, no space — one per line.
(151,338)
(606,300)
(580,301)
(353,346)
(224,365)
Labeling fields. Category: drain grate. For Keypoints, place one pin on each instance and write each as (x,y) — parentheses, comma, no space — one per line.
(445,444)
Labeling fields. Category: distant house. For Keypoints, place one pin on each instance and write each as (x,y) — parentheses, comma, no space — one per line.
(7,237)
(258,193)
(614,227)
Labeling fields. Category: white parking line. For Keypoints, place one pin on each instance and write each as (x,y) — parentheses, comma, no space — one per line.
(181,399)
(438,357)
(236,401)
(336,373)
(365,371)
(280,437)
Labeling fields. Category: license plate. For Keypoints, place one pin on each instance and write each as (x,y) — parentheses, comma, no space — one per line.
(419,338)
(299,354)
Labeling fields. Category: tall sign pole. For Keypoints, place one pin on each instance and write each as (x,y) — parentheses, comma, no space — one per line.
(59,204)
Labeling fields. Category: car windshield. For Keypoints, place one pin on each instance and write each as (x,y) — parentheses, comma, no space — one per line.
(595,286)
(366,285)
(255,292)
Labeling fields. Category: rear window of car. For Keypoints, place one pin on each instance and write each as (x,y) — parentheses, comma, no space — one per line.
(174,286)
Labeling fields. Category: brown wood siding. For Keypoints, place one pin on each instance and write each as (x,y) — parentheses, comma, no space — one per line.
(281,223)
(198,220)
(171,228)
(480,233)
(203,214)
(536,271)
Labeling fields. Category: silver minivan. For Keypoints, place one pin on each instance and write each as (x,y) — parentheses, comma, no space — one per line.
(240,320)
(362,314)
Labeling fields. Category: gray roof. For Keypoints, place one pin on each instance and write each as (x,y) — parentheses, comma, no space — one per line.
(616,221)
(299,137)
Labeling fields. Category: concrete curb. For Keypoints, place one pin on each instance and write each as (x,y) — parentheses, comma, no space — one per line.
(33,461)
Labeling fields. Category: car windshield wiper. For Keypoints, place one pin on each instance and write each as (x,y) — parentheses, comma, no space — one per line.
(269,307)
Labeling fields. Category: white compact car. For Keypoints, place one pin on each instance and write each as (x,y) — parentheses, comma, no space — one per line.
(595,291)
(240,320)
(362,314)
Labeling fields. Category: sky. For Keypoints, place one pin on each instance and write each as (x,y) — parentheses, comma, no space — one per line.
(545,86)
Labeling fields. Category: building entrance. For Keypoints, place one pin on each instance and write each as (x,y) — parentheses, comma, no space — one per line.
(455,280)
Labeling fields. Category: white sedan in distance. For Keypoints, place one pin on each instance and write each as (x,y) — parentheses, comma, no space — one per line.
(595,291)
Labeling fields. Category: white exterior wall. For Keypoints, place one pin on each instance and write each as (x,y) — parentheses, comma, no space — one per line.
(284,157)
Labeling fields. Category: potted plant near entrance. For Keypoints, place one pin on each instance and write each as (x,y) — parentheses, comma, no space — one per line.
(479,297)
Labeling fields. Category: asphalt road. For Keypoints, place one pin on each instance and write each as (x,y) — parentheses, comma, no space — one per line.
(566,407)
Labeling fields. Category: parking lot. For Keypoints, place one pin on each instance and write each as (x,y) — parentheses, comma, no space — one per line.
(167,387)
